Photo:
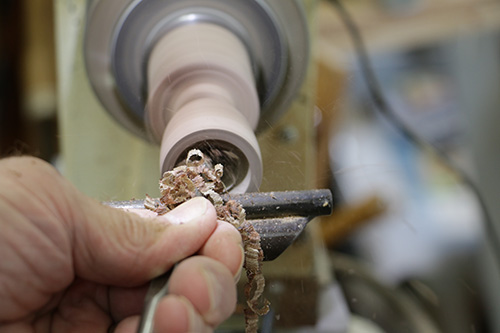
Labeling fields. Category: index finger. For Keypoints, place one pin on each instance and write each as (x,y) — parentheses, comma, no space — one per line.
(225,245)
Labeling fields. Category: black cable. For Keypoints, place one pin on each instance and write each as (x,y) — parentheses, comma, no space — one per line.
(385,109)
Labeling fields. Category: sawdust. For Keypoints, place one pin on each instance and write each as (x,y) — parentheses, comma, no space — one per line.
(199,178)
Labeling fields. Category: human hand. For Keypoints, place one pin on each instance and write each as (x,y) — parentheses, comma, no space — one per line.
(71,264)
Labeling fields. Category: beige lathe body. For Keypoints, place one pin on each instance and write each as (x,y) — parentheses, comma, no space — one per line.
(107,161)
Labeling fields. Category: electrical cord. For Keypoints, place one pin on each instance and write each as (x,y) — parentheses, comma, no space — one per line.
(380,102)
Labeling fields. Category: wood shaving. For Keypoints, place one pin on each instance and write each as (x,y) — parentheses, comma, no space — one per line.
(199,178)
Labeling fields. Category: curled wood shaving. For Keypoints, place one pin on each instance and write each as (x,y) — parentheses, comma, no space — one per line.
(199,178)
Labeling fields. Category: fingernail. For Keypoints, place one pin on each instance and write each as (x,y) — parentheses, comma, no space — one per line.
(189,211)
(215,289)
(237,276)
(195,322)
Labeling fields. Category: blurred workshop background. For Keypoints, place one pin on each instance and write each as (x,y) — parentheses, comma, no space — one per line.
(412,228)
(28,101)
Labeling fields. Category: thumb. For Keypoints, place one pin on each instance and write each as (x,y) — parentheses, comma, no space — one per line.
(104,244)
(113,246)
